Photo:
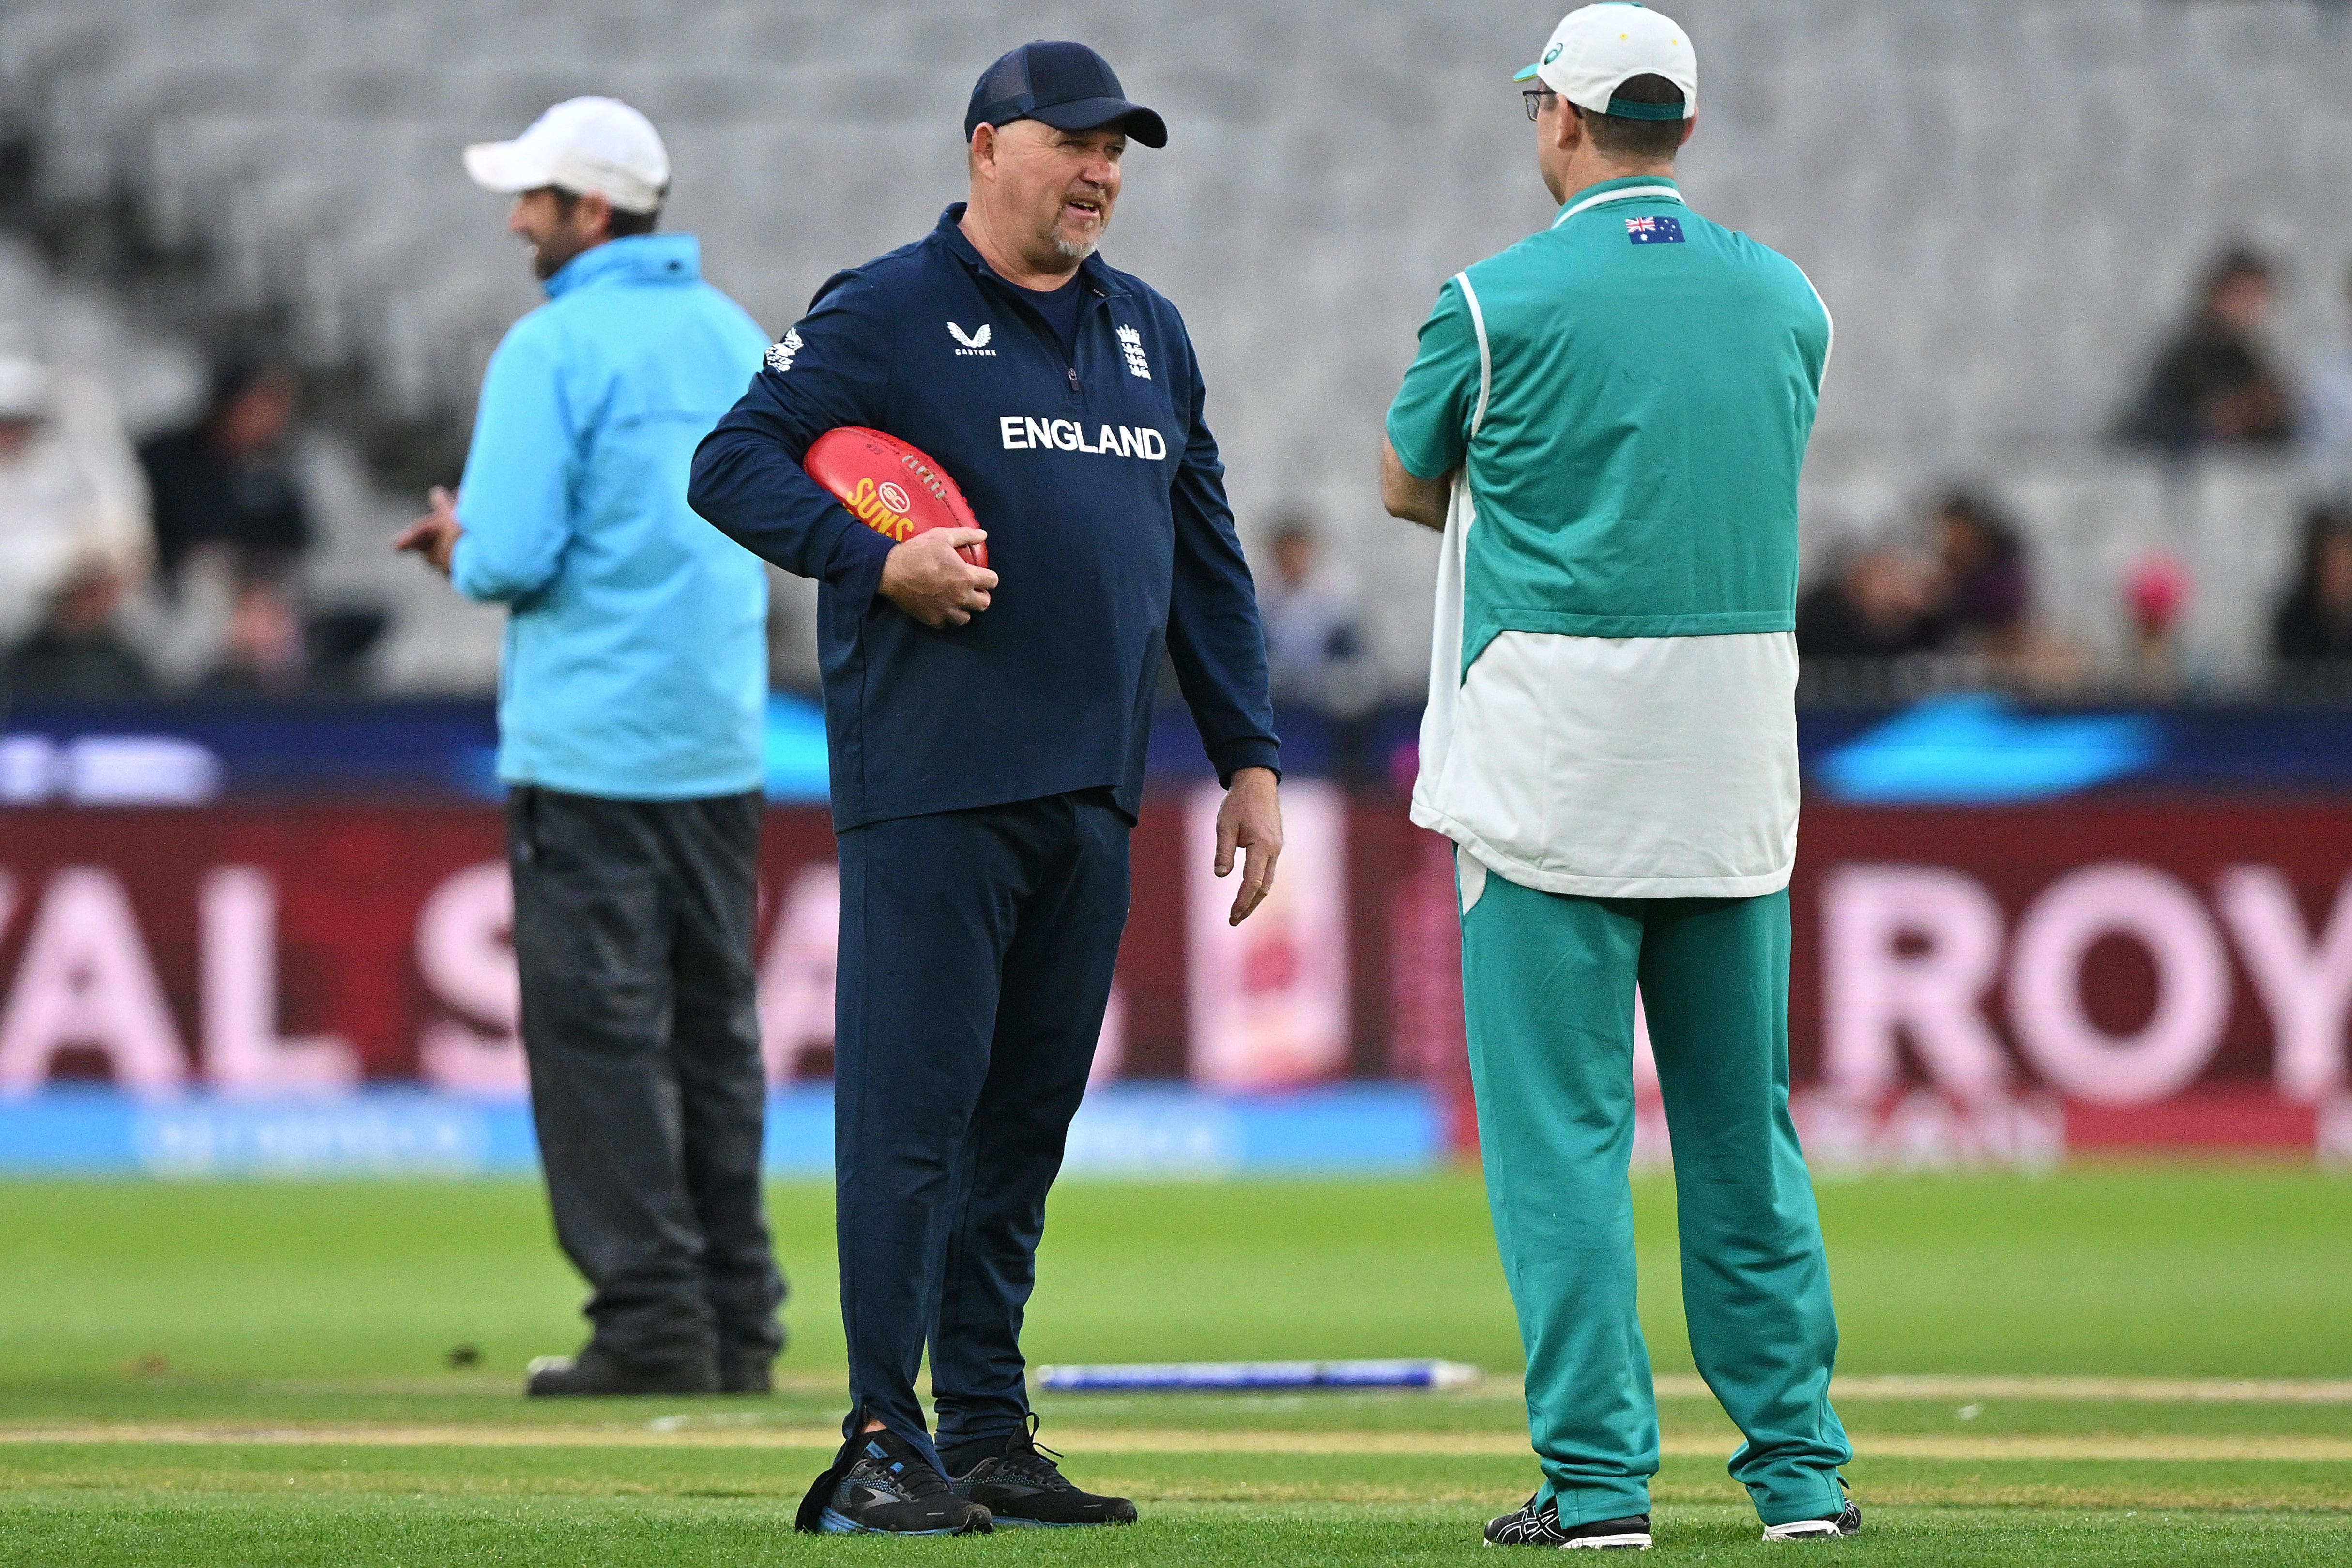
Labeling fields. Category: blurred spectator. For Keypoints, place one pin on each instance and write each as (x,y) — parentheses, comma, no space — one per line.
(2156,593)
(1874,605)
(225,482)
(2325,425)
(72,533)
(77,652)
(230,527)
(264,649)
(2213,385)
(1315,651)
(1980,592)
(2314,623)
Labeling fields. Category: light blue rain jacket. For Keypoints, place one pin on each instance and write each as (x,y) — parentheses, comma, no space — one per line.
(635,663)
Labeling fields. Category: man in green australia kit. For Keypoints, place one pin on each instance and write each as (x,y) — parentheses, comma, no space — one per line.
(1607,421)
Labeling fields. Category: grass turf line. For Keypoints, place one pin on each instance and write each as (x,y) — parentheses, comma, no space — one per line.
(713,1525)
(132,1307)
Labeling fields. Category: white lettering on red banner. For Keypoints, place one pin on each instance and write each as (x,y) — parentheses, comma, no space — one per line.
(85,982)
(1267,1000)
(2192,992)
(464,949)
(244,1053)
(1913,954)
(796,978)
(2306,982)
(1879,990)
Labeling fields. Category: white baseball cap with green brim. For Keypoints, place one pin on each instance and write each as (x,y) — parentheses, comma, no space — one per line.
(1595,49)
(580,145)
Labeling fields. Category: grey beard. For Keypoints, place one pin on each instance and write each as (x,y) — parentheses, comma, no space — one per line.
(1074,250)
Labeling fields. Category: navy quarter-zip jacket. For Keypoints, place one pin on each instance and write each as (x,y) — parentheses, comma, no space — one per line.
(1103,499)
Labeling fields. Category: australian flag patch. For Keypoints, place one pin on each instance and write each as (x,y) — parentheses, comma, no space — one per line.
(1654,231)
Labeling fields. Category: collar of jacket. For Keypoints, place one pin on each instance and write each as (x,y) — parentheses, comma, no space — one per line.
(1661,186)
(950,234)
(632,258)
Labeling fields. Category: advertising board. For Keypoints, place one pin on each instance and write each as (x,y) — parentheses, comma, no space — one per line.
(2007,983)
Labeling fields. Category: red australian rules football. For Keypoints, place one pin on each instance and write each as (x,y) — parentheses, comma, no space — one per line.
(890,487)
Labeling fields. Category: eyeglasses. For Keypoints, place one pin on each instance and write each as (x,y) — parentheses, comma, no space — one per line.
(1535,98)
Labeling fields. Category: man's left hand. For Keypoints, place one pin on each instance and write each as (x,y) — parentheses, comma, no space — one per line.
(1250,820)
(435,535)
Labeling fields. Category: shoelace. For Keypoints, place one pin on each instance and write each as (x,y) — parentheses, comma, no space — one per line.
(922,1482)
(1038,1468)
(916,1478)
(1038,1464)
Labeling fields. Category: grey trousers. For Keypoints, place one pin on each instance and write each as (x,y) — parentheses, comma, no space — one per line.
(633,931)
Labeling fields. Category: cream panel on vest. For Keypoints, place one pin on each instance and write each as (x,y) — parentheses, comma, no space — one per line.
(1624,768)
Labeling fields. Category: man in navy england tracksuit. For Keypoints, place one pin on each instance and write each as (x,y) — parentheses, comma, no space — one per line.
(987,730)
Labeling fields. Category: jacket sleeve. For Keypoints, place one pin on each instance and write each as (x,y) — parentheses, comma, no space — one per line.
(1214,635)
(515,500)
(831,369)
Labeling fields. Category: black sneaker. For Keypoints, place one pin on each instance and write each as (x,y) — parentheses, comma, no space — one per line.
(1847,1523)
(879,1485)
(595,1371)
(1022,1485)
(1533,1526)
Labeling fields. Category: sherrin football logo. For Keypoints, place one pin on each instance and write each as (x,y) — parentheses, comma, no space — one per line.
(873,504)
(972,342)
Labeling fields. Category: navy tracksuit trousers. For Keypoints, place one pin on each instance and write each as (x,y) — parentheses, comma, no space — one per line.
(975,964)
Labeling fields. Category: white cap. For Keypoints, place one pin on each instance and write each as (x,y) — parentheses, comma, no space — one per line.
(580,145)
(23,387)
(1593,50)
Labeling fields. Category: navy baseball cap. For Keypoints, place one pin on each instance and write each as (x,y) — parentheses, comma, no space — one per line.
(1066,85)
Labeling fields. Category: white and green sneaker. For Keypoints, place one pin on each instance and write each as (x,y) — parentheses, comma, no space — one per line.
(1848,1521)
(1533,1526)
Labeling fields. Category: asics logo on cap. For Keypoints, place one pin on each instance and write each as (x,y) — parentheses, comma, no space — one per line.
(1598,48)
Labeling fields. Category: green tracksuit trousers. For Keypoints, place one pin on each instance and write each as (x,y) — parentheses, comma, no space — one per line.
(1549,984)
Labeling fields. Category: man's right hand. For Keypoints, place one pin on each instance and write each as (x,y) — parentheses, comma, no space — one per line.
(435,535)
(926,578)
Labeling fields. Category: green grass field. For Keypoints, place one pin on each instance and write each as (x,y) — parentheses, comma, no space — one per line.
(2115,1365)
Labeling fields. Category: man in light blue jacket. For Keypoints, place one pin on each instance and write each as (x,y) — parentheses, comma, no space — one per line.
(630,709)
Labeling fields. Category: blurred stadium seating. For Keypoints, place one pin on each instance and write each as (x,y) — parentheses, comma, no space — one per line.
(2005,202)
